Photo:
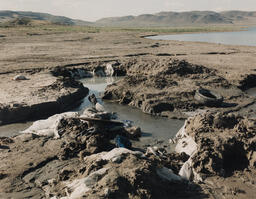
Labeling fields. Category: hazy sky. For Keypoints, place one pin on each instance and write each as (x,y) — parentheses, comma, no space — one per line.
(94,9)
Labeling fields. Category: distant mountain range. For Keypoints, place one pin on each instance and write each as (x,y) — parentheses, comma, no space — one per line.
(160,19)
(181,19)
(19,17)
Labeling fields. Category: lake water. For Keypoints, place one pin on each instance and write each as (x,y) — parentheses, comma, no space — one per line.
(247,38)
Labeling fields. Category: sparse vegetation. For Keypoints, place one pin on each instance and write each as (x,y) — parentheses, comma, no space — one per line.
(56,28)
(143,23)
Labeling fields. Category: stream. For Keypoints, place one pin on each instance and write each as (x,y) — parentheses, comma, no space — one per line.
(156,130)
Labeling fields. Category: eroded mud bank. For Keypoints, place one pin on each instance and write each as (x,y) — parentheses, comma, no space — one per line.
(167,87)
(81,163)
(24,104)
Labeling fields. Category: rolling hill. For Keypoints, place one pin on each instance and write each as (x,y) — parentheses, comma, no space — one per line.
(18,18)
(181,19)
(167,19)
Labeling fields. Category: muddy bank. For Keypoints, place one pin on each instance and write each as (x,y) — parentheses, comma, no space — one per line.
(79,155)
(84,162)
(224,156)
(36,93)
(167,87)
(38,96)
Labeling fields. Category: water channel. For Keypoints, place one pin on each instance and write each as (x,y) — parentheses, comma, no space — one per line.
(156,130)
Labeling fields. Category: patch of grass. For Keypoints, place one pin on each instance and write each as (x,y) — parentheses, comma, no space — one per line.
(183,29)
(54,28)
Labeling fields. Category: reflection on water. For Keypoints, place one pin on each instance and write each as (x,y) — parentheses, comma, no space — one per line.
(96,85)
(247,38)
(157,127)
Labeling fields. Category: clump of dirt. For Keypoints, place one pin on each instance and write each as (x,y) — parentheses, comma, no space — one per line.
(183,68)
(167,88)
(61,83)
(79,140)
(226,143)
(131,177)
(5,140)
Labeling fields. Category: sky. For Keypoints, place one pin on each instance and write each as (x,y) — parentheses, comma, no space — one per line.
(91,10)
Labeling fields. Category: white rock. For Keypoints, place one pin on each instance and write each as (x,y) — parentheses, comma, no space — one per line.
(99,107)
(117,152)
(185,143)
(19,77)
(107,192)
(113,155)
(109,70)
(151,150)
(77,188)
(93,113)
(186,170)
(48,127)
(188,173)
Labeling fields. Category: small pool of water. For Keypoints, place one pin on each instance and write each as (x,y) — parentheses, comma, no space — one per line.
(247,38)
(158,128)
(251,92)
(13,129)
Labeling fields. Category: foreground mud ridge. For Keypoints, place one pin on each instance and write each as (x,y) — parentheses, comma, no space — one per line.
(83,162)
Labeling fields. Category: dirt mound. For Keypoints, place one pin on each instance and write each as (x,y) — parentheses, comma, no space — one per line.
(81,140)
(226,143)
(183,68)
(75,142)
(128,176)
(167,87)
